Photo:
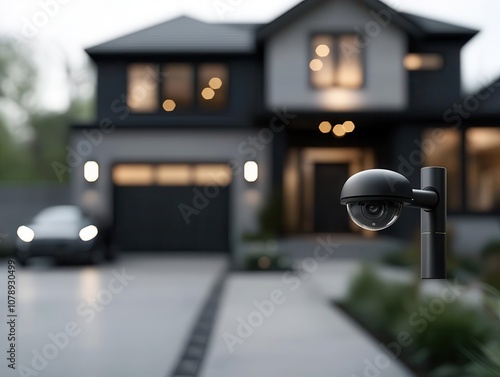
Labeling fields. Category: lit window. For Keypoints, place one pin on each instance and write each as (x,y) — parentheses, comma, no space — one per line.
(172,174)
(178,86)
(212,175)
(142,88)
(336,61)
(250,171)
(133,175)
(441,147)
(213,85)
(483,169)
(423,62)
(91,171)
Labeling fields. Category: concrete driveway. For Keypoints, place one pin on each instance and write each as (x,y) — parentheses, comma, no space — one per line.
(130,318)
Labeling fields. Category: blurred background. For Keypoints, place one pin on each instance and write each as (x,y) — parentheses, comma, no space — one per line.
(181,164)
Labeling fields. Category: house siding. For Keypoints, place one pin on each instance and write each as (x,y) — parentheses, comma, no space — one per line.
(287,63)
(181,146)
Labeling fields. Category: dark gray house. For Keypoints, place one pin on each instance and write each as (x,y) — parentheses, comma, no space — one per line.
(203,126)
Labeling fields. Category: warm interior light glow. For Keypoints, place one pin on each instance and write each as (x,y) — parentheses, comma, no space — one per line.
(142,92)
(416,62)
(339,130)
(325,127)
(178,85)
(215,83)
(88,233)
(173,174)
(91,171)
(348,126)
(133,175)
(208,93)
(322,50)
(212,175)
(250,171)
(316,65)
(169,105)
(25,233)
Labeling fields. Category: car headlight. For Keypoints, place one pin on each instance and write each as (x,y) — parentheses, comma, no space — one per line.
(88,233)
(25,234)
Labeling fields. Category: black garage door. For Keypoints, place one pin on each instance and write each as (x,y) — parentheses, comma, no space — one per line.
(171,206)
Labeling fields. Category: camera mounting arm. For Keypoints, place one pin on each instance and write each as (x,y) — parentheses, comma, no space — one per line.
(426,199)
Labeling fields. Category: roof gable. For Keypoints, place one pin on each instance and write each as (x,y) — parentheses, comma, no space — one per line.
(416,26)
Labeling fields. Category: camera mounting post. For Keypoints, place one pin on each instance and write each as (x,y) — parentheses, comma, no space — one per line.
(375,200)
(433,224)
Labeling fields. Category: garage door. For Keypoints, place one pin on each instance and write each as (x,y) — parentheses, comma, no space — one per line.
(173,207)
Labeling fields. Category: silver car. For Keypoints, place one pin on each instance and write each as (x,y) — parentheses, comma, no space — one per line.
(63,233)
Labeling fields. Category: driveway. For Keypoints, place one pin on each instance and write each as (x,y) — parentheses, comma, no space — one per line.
(130,318)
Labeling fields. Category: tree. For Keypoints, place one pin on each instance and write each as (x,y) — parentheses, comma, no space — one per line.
(32,137)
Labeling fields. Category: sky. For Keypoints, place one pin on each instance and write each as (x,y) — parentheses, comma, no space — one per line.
(66,27)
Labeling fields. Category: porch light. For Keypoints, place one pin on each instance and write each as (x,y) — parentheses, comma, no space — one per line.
(348,126)
(339,130)
(250,171)
(325,127)
(91,171)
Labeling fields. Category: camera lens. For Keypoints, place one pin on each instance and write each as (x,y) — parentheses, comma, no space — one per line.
(374,209)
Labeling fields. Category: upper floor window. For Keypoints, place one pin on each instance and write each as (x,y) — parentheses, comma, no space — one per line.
(336,61)
(423,62)
(177,87)
(142,88)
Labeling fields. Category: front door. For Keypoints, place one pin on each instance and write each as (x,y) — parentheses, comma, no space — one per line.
(329,214)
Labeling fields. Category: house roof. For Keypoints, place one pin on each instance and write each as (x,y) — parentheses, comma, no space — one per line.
(434,27)
(187,35)
(416,26)
(184,34)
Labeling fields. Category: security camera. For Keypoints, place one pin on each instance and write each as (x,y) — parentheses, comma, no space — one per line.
(375,214)
(376,198)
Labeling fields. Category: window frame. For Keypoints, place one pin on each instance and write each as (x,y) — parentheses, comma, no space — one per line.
(465,205)
(195,108)
(311,53)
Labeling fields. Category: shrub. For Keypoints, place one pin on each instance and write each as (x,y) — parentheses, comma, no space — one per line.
(441,345)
